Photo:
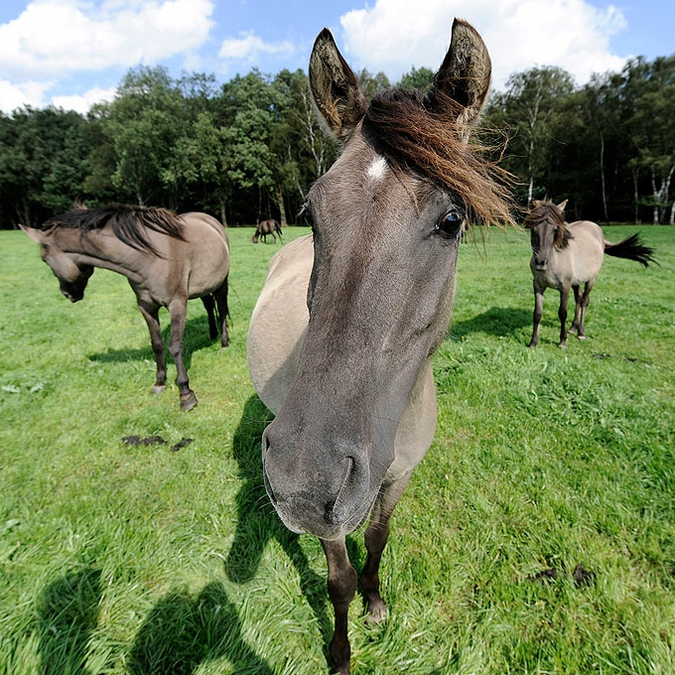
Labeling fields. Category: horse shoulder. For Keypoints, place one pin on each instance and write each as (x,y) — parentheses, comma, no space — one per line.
(279,322)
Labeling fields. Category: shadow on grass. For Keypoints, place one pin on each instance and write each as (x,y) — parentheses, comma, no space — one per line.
(180,633)
(67,615)
(195,337)
(257,522)
(495,321)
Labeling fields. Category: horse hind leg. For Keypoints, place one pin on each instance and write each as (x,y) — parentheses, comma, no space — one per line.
(210,306)
(585,298)
(220,295)
(577,309)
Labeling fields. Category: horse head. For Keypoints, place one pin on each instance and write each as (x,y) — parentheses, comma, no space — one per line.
(546,223)
(73,276)
(387,219)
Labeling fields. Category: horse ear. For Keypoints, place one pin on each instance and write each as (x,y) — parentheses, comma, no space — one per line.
(465,74)
(336,90)
(562,205)
(35,234)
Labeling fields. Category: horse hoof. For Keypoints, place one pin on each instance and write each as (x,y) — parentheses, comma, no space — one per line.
(377,612)
(188,401)
(158,389)
(562,345)
(581,337)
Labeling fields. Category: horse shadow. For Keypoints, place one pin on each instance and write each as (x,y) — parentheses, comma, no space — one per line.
(196,337)
(178,635)
(497,321)
(67,615)
(257,524)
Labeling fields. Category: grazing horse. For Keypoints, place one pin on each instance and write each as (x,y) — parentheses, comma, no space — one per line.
(567,255)
(168,259)
(266,227)
(357,309)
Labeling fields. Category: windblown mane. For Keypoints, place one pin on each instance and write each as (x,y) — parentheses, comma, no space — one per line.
(129,223)
(551,214)
(417,132)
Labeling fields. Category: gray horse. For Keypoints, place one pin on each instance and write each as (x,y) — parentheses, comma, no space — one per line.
(167,259)
(567,255)
(357,309)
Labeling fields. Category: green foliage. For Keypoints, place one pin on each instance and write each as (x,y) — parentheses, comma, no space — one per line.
(537,536)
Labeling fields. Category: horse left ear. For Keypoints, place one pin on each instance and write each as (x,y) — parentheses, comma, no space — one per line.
(335,88)
(465,74)
(35,234)
(562,205)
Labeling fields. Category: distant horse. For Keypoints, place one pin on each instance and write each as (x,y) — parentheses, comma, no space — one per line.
(357,309)
(567,255)
(266,227)
(168,259)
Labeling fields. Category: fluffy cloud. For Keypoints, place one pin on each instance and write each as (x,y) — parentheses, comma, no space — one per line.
(393,35)
(248,46)
(83,102)
(14,96)
(53,36)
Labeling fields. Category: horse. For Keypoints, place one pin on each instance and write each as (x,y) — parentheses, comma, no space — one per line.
(167,259)
(266,227)
(358,307)
(568,255)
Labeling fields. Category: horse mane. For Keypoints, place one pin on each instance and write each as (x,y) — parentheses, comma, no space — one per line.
(129,223)
(554,216)
(421,132)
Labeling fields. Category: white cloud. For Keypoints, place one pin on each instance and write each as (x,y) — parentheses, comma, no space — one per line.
(55,36)
(395,35)
(82,102)
(249,45)
(13,96)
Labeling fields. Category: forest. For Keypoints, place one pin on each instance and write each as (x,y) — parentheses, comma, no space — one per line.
(248,149)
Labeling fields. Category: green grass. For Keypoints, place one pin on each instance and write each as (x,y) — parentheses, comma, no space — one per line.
(142,560)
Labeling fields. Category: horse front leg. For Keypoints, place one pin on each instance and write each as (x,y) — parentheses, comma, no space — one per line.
(341,590)
(376,538)
(178,312)
(151,316)
(536,317)
(562,315)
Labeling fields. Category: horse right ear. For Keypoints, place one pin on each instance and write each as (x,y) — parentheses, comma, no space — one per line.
(35,234)
(335,88)
(465,74)
(562,205)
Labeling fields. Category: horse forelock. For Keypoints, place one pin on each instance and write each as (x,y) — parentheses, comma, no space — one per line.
(554,217)
(421,133)
(128,223)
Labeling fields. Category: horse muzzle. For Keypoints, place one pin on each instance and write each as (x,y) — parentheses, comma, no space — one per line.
(326,496)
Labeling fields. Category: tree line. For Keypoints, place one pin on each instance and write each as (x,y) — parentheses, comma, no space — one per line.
(250,148)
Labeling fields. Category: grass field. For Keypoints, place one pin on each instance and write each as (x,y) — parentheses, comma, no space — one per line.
(537,536)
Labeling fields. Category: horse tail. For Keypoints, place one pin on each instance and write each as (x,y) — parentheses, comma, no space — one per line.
(277,228)
(631,248)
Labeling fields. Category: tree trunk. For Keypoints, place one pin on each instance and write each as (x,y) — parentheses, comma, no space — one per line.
(602,176)
(279,195)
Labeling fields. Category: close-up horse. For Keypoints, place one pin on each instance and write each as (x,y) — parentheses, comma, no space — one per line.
(358,308)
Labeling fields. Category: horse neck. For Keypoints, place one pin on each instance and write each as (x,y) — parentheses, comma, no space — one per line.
(100,248)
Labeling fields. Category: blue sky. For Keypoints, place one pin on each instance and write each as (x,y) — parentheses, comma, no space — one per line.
(71,53)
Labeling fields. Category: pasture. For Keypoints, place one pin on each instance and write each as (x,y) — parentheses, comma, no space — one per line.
(537,536)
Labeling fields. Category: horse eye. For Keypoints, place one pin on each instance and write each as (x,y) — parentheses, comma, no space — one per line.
(450,225)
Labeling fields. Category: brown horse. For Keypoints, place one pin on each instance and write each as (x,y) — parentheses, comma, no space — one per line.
(266,227)
(167,259)
(567,255)
(358,309)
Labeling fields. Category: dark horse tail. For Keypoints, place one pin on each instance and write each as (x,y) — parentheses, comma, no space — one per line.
(633,249)
(277,229)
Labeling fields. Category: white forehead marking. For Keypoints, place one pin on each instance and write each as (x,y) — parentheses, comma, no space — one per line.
(377,169)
